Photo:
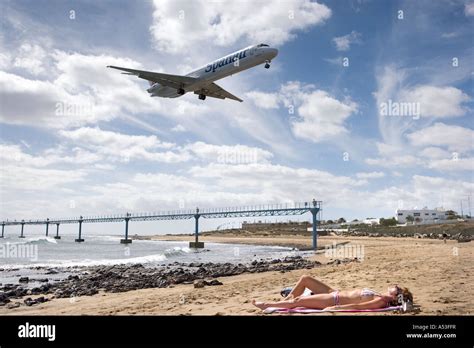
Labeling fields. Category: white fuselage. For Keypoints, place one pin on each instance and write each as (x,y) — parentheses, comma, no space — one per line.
(231,64)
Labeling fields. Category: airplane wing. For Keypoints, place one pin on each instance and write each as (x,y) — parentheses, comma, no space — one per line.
(178,81)
(174,81)
(215,91)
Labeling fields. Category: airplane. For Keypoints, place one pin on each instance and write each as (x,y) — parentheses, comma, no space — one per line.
(201,81)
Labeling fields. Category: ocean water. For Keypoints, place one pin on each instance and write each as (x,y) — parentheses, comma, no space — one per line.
(24,257)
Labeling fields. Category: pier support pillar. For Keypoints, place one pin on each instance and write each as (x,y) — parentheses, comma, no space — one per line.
(314,211)
(3,230)
(196,244)
(79,239)
(126,240)
(22,227)
(57,236)
(47,227)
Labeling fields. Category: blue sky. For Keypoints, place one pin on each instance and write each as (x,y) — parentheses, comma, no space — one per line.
(78,138)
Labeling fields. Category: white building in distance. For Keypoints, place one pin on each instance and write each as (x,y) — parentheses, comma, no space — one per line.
(371,221)
(424,215)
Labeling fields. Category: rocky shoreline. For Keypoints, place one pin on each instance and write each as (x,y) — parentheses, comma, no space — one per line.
(120,278)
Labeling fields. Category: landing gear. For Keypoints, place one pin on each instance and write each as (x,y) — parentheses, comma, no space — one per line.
(181,91)
(267,64)
(202,97)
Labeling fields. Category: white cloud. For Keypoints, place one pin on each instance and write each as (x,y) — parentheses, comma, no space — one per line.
(394,161)
(435,101)
(14,155)
(455,138)
(116,141)
(450,35)
(123,147)
(213,184)
(387,149)
(438,142)
(469,9)
(167,182)
(236,154)
(322,116)
(30,57)
(421,191)
(25,178)
(443,146)
(389,79)
(264,100)
(428,187)
(343,43)
(392,156)
(335,60)
(427,100)
(5,59)
(453,164)
(281,181)
(113,146)
(370,175)
(433,152)
(178,128)
(35,102)
(181,25)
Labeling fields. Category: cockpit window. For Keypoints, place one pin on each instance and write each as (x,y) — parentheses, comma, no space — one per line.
(262,45)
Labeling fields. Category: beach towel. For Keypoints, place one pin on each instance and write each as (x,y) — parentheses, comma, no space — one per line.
(270,310)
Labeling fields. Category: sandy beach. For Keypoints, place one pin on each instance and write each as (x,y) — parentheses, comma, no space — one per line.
(439,274)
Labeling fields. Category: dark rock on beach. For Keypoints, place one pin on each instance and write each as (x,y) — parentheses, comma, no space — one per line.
(213,282)
(29,301)
(461,238)
(119,278)
(199,283)
(3,299)
(13,305)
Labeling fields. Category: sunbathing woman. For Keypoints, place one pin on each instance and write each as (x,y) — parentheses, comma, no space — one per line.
(325,297)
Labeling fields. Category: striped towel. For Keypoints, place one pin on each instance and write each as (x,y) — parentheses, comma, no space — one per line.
(270,310)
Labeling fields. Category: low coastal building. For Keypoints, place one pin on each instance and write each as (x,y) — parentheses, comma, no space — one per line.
(424,215)
(371,221)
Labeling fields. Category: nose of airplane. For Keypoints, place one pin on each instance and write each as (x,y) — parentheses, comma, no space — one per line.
(273,52)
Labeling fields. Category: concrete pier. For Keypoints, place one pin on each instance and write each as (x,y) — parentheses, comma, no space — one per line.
(79,239)
(57,236)
(126,240)
(22,228)
(196,244)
